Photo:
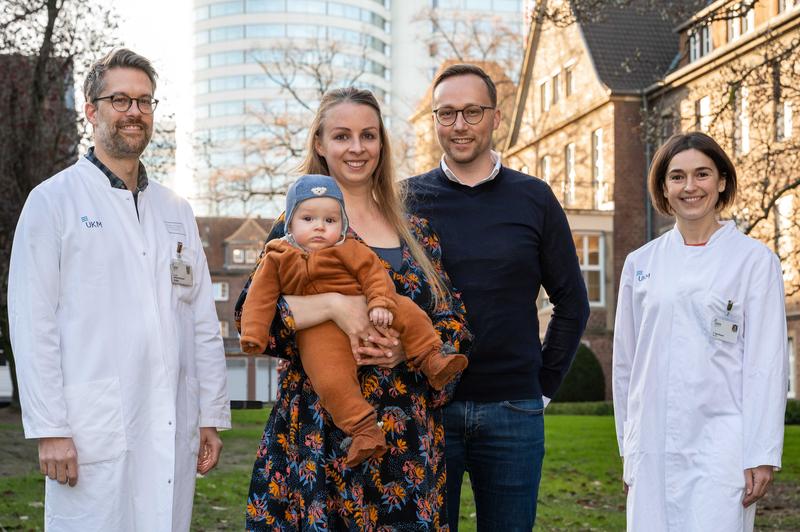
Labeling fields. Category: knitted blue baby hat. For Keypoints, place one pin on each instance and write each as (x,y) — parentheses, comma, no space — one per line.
(314,186)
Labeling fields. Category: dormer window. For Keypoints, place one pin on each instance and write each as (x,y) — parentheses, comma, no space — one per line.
(238,256)
(740,22)
(700,43)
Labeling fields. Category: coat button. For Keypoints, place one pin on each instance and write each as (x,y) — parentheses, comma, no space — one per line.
(169,481)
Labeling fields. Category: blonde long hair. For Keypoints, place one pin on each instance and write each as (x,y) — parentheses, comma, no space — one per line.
(386,191)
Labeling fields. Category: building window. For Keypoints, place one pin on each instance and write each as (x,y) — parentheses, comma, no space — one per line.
(220,290)
(784,221)
(784,117)
(228,33)
(694,46)
(251,256)
(602,197)
(306,6)
(228,83)
(667,127)
(734,27)
(702,113)
(569,81)
(201,37)
(226,8)
(740,23)
(706,44)
(235,57)
(569,174)
(782,107)
(226,108)
(238,256)
(741,121)
(700,42)
(591,256)
(556,87)
(544,95)
(224,329)
(749,21)
(256,6)
(201,13)
(544,168)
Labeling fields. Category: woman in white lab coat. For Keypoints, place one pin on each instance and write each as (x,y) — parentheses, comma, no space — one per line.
(700,354)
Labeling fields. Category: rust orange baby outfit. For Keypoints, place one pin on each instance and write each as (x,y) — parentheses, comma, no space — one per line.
(350,268)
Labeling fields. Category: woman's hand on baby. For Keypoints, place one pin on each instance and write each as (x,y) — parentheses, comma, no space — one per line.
(383,350)
(381,317)
(349,313)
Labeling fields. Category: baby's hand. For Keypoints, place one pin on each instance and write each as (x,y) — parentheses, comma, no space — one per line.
(380,317)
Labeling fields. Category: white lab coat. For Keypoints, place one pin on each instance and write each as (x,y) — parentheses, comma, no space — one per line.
(111,353)
(692,412)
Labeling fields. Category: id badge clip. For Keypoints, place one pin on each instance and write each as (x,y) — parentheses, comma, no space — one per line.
(723,328)
(180,270)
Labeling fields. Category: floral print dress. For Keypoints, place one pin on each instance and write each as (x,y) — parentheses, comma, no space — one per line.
(300,480)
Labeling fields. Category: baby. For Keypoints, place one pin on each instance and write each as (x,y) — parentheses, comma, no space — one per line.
(316,256)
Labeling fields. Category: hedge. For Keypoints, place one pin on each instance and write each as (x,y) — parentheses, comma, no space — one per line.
(606,408)
(584,381)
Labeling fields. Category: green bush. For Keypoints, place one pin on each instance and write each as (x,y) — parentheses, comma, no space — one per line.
(606,408)
(594,408)
(792,412)
(584,381)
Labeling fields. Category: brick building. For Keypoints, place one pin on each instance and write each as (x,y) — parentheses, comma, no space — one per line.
(596,97)
(576,125)
(427,152)
(738,79)
(232,246)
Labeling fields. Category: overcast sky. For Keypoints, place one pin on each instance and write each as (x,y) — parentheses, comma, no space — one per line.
(162,32)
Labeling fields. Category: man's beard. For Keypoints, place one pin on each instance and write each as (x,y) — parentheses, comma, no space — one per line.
(117,145)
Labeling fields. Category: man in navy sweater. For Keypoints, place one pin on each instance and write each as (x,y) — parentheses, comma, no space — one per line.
(503,235)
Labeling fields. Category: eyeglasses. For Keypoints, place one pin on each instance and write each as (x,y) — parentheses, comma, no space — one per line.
(473,114)
(123,102)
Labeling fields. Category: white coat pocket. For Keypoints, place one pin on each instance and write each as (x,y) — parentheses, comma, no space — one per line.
(94,411)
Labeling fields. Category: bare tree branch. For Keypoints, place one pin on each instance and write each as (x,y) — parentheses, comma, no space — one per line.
(45,44)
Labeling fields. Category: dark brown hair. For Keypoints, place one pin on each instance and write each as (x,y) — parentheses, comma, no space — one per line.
(463,69)
(117,58)
(690,141)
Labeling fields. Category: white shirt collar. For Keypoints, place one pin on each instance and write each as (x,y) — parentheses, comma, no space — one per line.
(495,170)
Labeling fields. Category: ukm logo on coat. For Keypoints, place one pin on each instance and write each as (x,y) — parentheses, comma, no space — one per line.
(91,224)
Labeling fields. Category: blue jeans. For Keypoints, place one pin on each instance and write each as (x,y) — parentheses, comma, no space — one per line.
(501,445)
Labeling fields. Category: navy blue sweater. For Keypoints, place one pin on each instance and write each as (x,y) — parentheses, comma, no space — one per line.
(501,241)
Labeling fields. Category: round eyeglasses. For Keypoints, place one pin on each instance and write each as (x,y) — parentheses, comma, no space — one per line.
(123,102)
(473,114)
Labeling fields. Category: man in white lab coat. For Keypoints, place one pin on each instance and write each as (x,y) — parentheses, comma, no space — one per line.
(119,359)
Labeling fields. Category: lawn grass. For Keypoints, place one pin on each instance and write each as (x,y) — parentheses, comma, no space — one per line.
(580,487)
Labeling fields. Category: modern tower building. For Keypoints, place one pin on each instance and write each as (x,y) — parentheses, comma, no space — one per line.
(259,64)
